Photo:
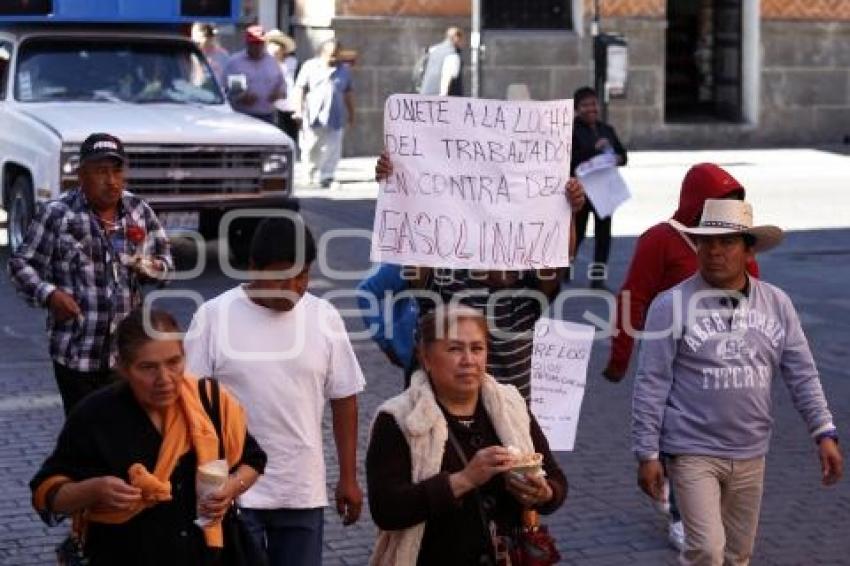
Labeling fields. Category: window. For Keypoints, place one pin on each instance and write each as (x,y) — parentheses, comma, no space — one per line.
(5,59)
(113,71)
(527,14)
(209,8)
(25,7)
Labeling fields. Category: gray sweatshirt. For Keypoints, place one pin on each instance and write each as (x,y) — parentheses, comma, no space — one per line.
(703,382)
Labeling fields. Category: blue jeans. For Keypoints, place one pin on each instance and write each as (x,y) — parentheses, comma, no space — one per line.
(291,537)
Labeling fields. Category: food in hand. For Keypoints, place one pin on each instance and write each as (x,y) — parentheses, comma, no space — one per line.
(154,490)
(526,463)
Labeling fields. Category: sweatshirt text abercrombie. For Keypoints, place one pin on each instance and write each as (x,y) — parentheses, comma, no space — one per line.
(704,386)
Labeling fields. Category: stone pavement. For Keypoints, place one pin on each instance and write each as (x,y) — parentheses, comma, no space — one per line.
(605,520)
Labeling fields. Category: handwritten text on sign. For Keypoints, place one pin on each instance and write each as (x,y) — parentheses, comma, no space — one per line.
(558,375)
(477,184)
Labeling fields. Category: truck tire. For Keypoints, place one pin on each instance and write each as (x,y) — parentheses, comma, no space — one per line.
(19,209)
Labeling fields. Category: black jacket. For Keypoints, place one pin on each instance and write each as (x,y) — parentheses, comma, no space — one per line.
(584,142)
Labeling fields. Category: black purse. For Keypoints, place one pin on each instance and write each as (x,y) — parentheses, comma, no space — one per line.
(530,545)
(70,552)
(240,547)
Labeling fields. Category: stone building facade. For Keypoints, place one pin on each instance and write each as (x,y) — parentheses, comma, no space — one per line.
(702,73)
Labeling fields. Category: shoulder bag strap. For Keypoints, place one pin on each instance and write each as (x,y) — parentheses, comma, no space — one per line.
(485,523)
(212,408)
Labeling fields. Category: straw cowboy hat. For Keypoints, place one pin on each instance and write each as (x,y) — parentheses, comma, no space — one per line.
(729,216)
(280,38)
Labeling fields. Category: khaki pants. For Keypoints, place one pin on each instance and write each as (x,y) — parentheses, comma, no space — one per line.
(719,500)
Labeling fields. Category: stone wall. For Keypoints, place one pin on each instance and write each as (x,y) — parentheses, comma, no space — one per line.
(805,86)
(804,76)
(388,49)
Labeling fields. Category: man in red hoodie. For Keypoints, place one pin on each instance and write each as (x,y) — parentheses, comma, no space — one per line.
(665,257)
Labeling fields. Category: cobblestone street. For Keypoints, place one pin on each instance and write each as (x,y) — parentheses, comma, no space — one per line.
(606,519)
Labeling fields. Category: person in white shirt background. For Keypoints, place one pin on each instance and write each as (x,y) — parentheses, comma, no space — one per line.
(442,73)
(324,101)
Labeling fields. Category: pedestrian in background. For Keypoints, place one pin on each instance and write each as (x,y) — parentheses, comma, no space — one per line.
(324,103)
(442,69)
(285,353)
(592,137)
(282,48)
(702,396)
(125,462)
(85,257)
(206,36)
(253,78)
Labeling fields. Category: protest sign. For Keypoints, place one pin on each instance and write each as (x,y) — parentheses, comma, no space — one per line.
(603,184)
(476,184)
(558,375)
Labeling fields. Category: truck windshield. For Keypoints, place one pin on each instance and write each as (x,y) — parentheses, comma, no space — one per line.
(117,70)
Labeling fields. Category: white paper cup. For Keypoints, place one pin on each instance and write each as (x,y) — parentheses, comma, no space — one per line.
(210,478)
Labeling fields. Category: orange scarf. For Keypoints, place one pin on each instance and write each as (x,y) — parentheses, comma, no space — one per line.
(186,425)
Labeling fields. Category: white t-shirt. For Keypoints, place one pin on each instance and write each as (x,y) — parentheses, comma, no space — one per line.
(450,70)
(282,367)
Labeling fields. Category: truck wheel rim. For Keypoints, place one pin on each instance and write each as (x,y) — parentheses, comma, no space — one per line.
(17,222)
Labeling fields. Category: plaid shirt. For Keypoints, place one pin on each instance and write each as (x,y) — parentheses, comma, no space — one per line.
(66,248)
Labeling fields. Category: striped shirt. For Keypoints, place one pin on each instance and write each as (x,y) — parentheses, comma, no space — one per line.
(66,248)
(511,313)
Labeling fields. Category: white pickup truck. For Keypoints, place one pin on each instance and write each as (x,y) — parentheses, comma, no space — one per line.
(191,156)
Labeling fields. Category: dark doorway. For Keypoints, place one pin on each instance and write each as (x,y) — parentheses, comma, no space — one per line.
(703,69)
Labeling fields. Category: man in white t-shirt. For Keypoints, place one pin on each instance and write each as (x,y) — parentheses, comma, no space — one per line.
(284,352)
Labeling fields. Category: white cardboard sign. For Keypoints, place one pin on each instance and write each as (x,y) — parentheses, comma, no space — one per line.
(558,376)
(476,184)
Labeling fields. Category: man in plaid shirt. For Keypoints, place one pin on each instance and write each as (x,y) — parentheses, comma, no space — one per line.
(84,258)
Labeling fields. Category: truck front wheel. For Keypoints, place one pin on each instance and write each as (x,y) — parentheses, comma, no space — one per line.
(20,210)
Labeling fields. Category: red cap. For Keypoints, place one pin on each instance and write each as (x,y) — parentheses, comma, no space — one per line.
(255,34)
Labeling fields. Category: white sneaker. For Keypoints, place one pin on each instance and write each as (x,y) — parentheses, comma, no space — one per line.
(663,506)
(676,535)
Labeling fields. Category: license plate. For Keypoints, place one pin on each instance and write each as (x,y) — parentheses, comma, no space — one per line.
(179,221)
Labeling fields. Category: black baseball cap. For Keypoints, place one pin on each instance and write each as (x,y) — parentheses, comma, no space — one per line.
(100,146)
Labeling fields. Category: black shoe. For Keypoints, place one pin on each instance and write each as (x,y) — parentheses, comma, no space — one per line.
(326,183)
(598,275)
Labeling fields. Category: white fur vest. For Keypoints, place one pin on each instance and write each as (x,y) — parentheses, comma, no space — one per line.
(422,423)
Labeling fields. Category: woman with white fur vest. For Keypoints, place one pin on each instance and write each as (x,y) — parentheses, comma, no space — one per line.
(432,504)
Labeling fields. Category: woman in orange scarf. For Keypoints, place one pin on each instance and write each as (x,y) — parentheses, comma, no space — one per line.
(126,460)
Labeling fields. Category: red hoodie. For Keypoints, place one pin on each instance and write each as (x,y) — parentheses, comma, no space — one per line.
(663,258)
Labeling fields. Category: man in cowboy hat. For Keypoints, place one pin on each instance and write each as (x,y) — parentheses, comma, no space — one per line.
(711,347)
